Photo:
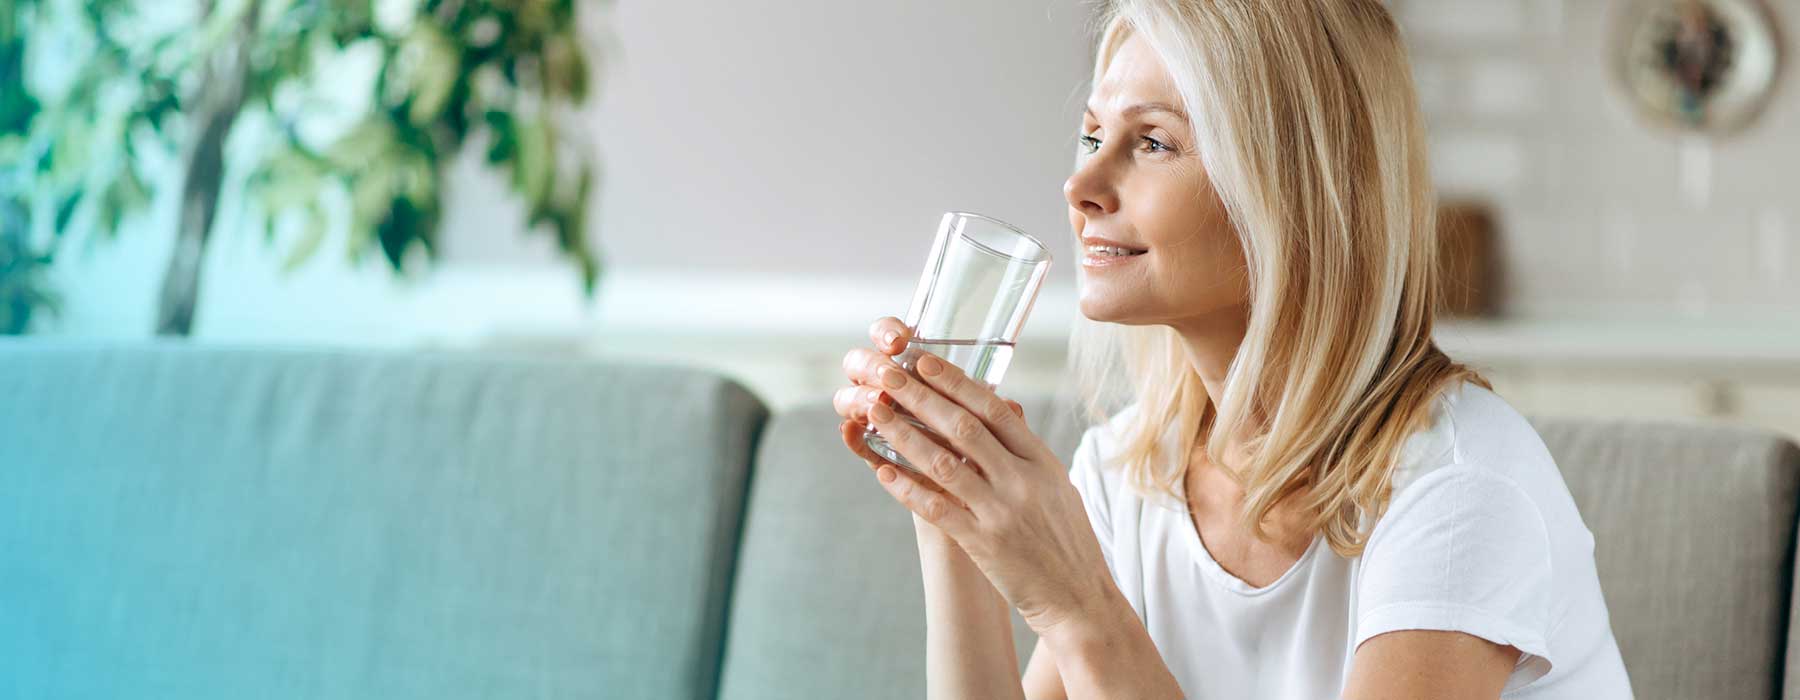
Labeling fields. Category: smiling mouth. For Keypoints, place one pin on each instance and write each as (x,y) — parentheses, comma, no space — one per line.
(1107,251)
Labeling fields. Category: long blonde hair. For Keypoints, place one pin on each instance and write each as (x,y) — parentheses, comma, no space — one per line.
(1309,128)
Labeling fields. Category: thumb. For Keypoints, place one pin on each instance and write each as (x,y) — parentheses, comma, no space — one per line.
(1016,407)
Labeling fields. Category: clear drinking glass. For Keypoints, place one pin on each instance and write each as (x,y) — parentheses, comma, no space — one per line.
(978,286)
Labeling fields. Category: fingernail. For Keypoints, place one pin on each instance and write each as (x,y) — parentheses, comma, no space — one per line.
(881,413)
(930,366)
(890,338)
(885,474)
(893,377)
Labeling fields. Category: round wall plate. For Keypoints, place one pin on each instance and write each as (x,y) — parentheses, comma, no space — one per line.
(1697,65)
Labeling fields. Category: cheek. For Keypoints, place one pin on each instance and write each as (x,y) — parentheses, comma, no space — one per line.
(1177,211)
(1207,273)
(1202,260)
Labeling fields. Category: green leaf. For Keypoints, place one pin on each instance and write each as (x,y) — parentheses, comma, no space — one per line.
(536,165)
(363,145)
(312,233)
(66,210)
(124,196)
(67,156)
(370,197)
(434,69)
(505,142)
(415,177)
(564,66)
(161,100)
(289,178)
(398,229)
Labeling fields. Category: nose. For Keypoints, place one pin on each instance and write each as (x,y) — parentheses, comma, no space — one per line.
(1090,188)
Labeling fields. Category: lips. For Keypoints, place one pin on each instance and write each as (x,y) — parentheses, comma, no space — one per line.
(1094,259)
(1093,243)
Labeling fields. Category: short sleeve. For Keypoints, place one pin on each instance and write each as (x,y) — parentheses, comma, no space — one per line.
(1084,473)
(1462,549)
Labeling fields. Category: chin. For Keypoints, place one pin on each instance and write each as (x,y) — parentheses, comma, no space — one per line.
(1105,310)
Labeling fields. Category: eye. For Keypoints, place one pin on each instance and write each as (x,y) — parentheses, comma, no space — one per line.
(1090,144)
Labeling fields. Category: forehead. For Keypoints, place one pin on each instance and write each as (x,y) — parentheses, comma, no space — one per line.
(1136,74)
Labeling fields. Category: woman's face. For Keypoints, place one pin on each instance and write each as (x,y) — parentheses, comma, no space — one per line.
(1140,184)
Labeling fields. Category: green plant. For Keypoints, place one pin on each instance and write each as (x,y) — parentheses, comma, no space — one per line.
(23,289)
(449,70)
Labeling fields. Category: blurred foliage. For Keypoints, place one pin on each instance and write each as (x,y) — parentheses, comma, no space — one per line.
(448,70)
(23,289)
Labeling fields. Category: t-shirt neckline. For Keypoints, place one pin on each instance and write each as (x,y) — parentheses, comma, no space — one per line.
(1231,582)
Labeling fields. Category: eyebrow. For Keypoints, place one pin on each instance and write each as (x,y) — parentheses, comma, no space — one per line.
(1133,110)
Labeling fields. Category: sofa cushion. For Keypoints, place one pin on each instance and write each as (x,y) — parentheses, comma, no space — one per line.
(828,600)
(196,522)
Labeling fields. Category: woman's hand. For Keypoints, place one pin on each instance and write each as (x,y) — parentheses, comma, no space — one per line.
(889,336)
(1006,500)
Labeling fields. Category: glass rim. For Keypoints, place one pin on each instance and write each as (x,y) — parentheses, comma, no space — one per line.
(1044,250)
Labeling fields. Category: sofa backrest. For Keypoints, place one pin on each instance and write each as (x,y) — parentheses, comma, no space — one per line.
(1693,523)
(1694,536)
(199,522)
(827,601)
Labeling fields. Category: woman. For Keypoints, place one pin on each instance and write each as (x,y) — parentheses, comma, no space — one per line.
(1304,498)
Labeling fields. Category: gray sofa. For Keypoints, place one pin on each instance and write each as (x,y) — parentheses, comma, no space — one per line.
(183,521)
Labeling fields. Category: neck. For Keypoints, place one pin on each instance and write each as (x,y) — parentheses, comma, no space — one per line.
(1211,342)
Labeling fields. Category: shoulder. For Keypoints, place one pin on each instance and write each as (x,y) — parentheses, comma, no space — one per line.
(1476,433)
(1478,479)
(1478,471)
(1468,541)
(1483,461)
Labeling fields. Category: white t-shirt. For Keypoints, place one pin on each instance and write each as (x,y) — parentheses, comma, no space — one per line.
(1481,537)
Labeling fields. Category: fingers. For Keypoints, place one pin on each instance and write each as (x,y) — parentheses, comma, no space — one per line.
(941,464)
(889,335)
(934,506)
(852,433)
(853,402)
(963,430)
(999,418)
(861,366)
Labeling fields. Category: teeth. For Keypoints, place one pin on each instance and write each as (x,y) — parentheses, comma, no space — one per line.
(1107,250)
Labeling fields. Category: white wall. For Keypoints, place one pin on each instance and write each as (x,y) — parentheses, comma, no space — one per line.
(820,136)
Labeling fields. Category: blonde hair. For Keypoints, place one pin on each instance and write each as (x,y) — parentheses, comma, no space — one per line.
(1309,128)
